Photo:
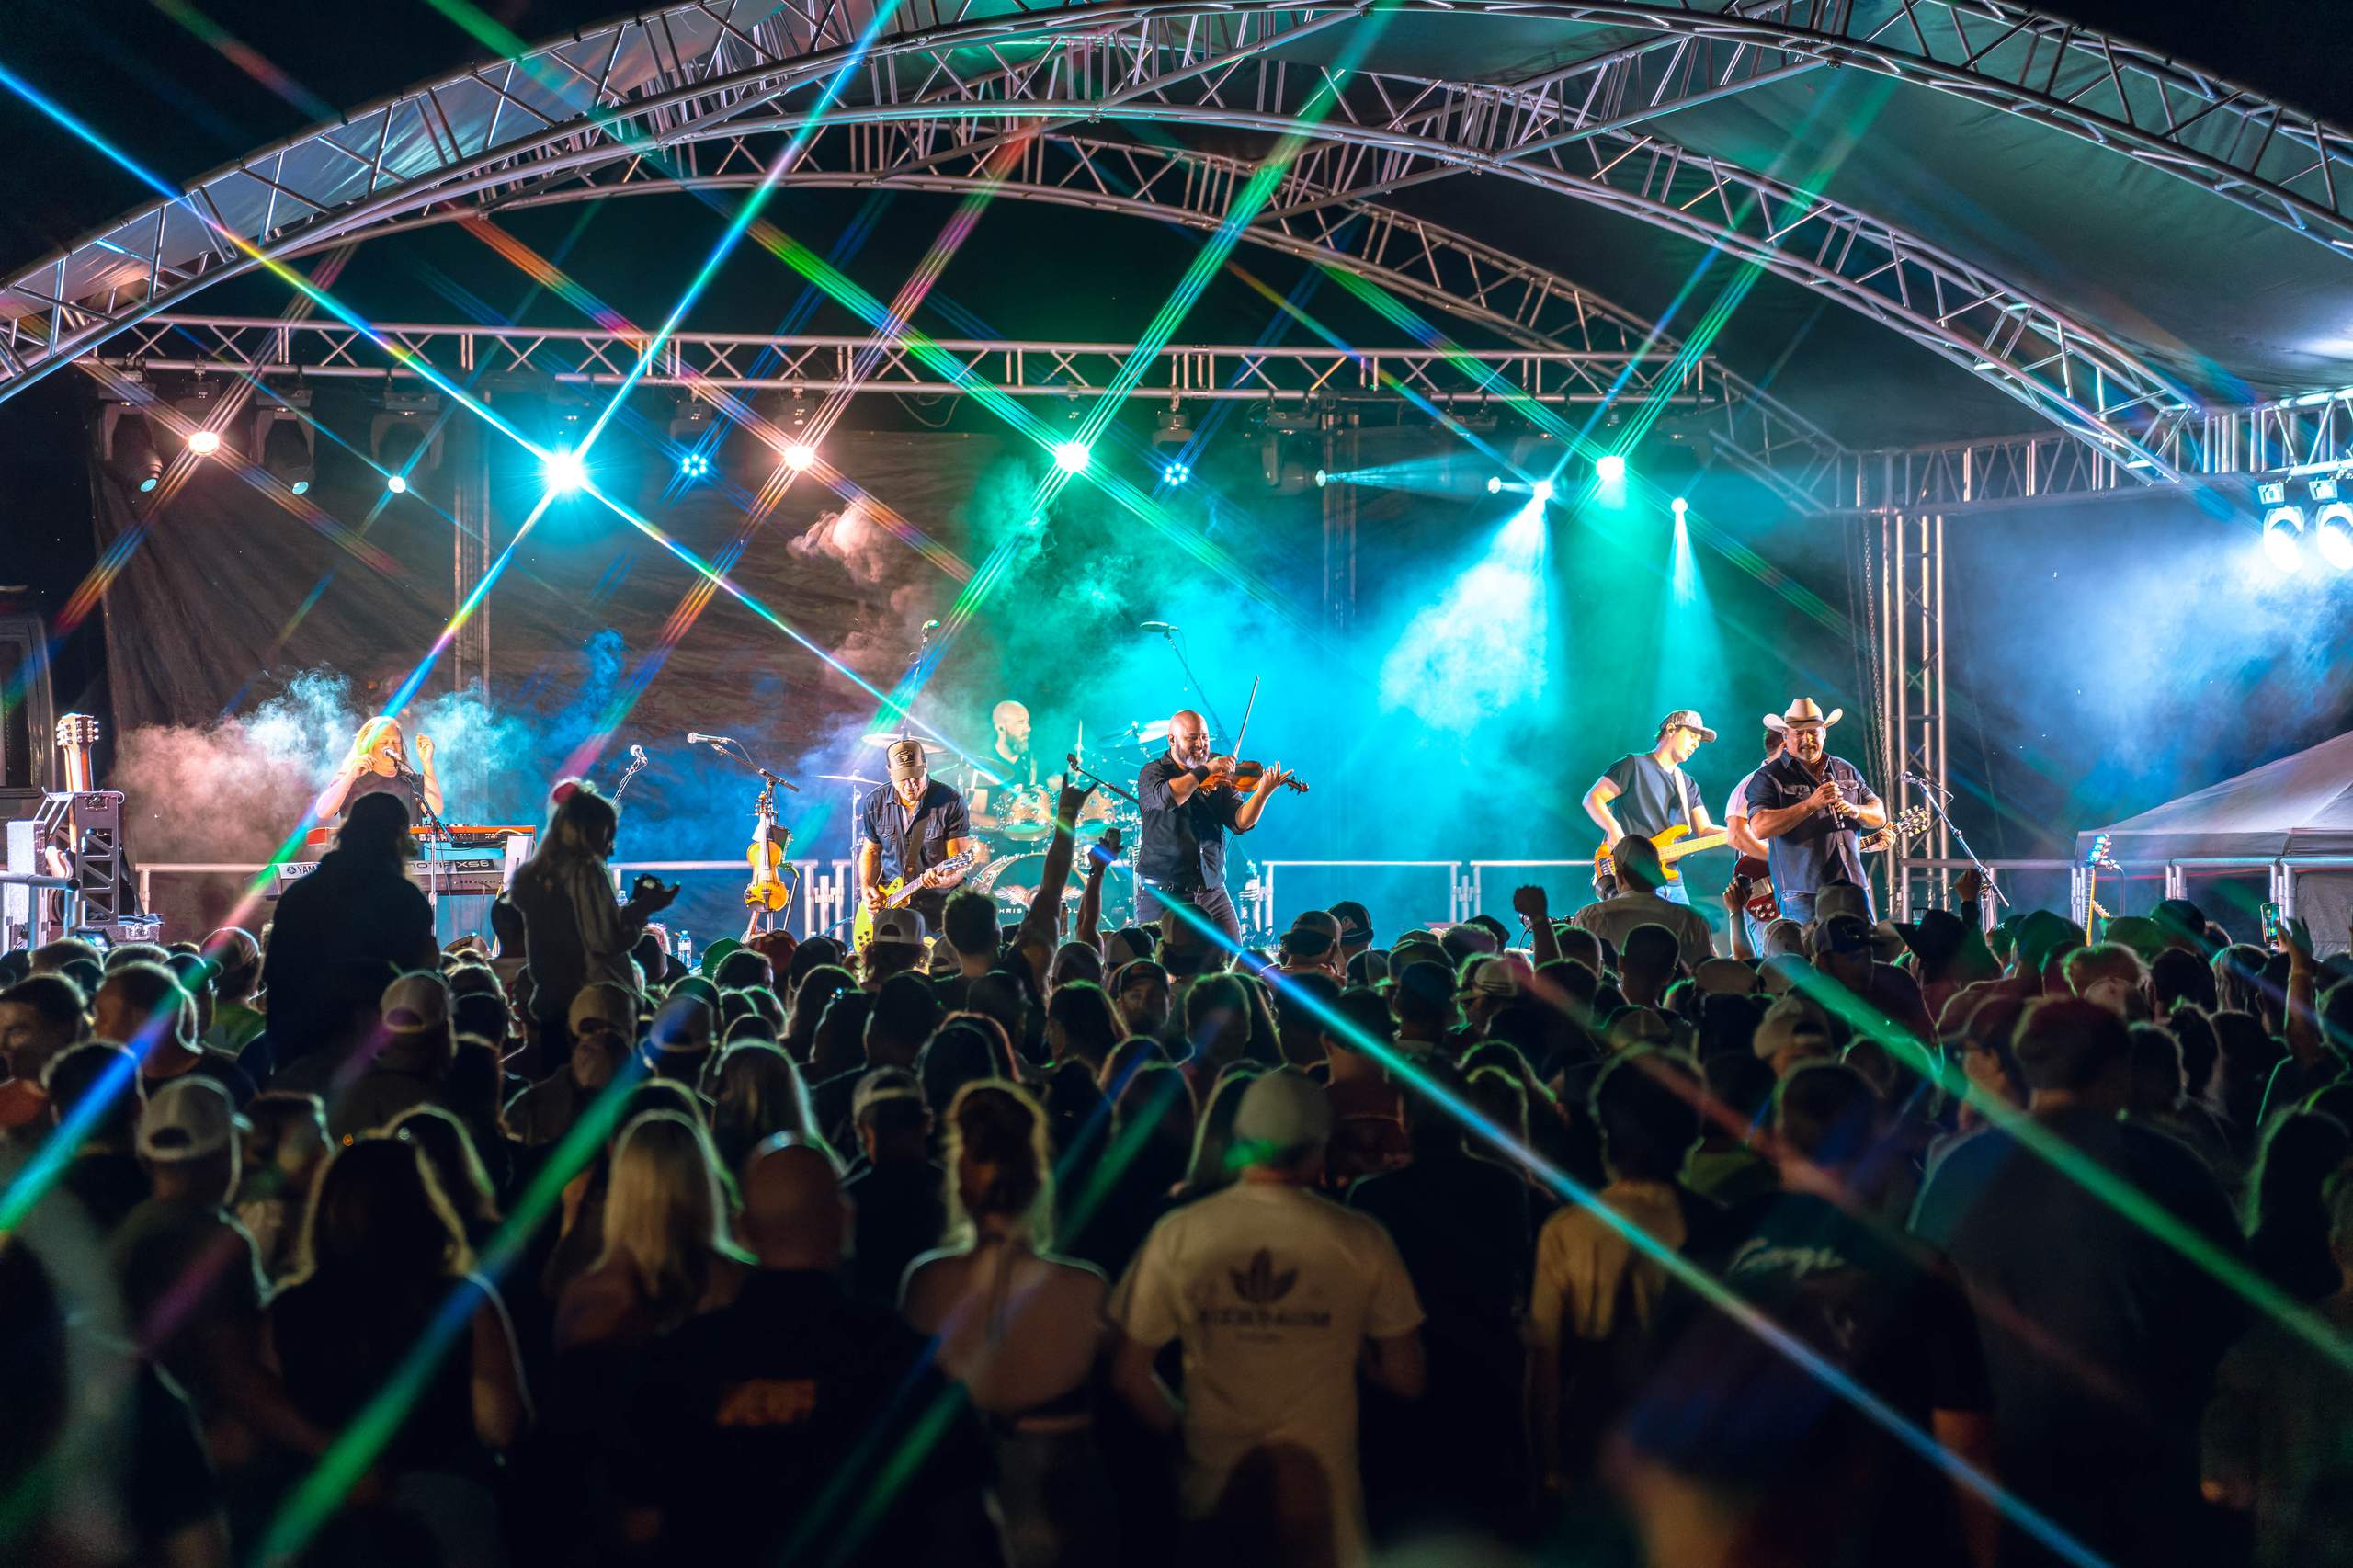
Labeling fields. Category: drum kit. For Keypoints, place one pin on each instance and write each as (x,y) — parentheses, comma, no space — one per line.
(1016,822)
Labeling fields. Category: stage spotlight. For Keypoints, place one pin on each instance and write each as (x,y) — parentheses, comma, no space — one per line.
(394,484)
(403,439)
(1171,428)
(1071,457)
(798,456)
(565,471)
(1680,506)
(2333,535)
(1610,467)
(1322,479)
(2283,536)
(203,443)
(1495,485)
(1541,490)
(1177,473)
(128,446)
(694,465)
(285,443)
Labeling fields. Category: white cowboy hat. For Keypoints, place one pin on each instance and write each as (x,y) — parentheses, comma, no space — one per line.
(1803,711)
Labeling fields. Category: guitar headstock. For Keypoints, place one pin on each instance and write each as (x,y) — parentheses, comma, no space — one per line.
(2097,858)
(78,729)
(1912,819)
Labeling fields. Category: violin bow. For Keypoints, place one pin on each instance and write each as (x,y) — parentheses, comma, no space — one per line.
(1246,718)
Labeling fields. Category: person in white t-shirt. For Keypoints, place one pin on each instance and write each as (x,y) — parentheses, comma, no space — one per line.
(1278,1294)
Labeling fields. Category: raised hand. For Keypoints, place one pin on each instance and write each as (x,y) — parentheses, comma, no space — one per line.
(425,751)
(1531,904)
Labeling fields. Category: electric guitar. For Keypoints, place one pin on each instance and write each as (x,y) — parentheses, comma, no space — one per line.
(1764,905)
(1673,842)
(897,893)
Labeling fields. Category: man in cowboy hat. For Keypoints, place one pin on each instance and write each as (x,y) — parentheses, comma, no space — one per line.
(1646,793)
(1805,806)
(906,830)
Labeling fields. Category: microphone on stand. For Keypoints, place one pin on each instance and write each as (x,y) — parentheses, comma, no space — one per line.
(1160,626)
(695,738)
(930,626)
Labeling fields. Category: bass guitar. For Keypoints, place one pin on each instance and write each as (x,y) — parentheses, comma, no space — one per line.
(1764,905)
(897,893)
(1673,844)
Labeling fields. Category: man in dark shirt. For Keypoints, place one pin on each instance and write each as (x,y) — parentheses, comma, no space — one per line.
(909,830)
(1461,1223)
(900,1195)
(358,905)
(1189,805)
(1877,1305)
(797,1424)
(1645,793)
(2101,1337)
(1805,805)
(97,1087)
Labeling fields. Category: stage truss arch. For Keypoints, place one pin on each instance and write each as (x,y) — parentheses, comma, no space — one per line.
(936,81)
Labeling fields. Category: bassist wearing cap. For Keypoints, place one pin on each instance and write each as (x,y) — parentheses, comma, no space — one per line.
(916,831)
(1805,805)
(1650,792)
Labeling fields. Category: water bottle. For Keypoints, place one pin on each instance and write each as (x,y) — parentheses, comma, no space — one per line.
(686,949)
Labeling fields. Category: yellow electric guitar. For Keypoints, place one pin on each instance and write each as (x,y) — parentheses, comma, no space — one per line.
(896,892)
(1673,844)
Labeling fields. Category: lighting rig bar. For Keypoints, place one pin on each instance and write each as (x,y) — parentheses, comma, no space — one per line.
(1194,372)
(2290,439)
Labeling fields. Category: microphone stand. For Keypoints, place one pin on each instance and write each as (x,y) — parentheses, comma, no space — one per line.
(732,747)
(435,830)
(1192,681)
(1933,796)
(636,763)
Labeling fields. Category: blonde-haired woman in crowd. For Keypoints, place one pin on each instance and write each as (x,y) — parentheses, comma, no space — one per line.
(756,1092)
(1018,1327)
(666,1255)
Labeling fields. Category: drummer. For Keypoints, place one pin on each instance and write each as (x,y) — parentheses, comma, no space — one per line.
(1019,792)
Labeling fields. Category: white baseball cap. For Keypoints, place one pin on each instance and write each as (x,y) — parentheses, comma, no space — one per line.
(187,1120)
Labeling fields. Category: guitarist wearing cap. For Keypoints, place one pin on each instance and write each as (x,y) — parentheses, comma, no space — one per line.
(912,831)
(1651,792)
(1804,806)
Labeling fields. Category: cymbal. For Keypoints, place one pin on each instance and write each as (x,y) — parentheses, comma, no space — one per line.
(886,738)
(1155,731)
(848,778)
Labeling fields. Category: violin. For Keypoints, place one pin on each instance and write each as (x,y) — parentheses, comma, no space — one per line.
(1246,776)
(771,846)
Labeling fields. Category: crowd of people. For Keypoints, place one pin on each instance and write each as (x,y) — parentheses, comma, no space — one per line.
(1862,1243)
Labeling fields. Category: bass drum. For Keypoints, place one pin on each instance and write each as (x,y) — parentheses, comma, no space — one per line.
(1012,882)
(1026,813)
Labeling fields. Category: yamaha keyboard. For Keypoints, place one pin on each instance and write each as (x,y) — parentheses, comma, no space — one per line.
(477,861)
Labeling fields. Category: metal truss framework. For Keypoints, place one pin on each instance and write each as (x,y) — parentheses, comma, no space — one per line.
(1416,260)
(1179,373)
(727,68)
(1905,570)
(2290,439)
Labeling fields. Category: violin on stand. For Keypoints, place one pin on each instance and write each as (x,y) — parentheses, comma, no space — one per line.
(770,896)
